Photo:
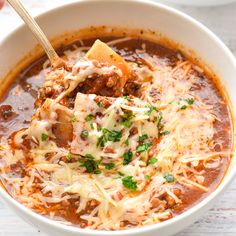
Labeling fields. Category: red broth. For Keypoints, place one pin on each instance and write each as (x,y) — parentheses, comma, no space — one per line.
(18,106)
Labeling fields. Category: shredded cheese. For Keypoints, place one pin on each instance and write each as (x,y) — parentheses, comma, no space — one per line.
(125,157)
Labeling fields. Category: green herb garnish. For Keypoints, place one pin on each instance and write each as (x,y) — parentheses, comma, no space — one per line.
(190,101)
(92,126)
(121,174)
(127,117)
(129,183)
(90,165)
(127,142)
(102,140)
(100,104)
(147,177)
(44,137)
(150,110)
(73,119)
(165,132)
(142,137)
(127,98)
(127,157)
(126,123)
(108,135)
(84,133)
(155,119)
(152,161)
(168,177)
(69,156)
(144,147)
(109,166)
(114,136)
(159,123)
(89,117)
(183,107)
(89,156)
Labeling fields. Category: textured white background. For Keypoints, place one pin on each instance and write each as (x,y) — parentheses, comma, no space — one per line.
(221,219)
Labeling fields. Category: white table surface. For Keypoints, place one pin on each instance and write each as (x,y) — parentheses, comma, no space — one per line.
(221,219)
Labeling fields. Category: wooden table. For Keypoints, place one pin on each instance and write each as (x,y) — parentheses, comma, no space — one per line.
(221,219)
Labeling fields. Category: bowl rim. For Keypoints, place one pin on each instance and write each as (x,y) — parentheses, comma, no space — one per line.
(227,179)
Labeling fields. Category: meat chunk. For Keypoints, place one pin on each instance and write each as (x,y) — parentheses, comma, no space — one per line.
(6,112)
(107,85)
(63,129)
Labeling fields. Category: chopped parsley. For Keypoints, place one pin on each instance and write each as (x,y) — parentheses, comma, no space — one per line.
(89,117)
(121,174)
(84,134)
(127,98)
(159,123)
(100,104)
(89,156)
(183,107)
(150,110)
(160,126)
(164,132)
(108,135)
(142,137)
(73,119)
(129,183)
(102,140)
(126,123)
(44,137)
(69,156)
(190,101)
(127,157)
(144,147)
(127,117)
(109,166)
(127,142)
(152,161)
(114,136)
(147,177)
(92,126)
(168,177)
(90,164)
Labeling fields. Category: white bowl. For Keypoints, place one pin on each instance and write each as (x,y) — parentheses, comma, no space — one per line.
(202,2)
(135,14)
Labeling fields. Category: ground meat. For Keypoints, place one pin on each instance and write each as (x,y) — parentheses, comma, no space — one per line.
(6,112)
(133,131)
(63,129)
(132,86)
(109,150)
(103,101)
(157,203)
(106,85)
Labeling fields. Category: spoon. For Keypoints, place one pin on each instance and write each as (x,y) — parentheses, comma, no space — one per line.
(38,33)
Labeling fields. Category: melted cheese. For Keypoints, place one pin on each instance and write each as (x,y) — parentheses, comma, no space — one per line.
(178,136)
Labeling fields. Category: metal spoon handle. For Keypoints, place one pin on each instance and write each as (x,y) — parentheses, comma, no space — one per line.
(40,36)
